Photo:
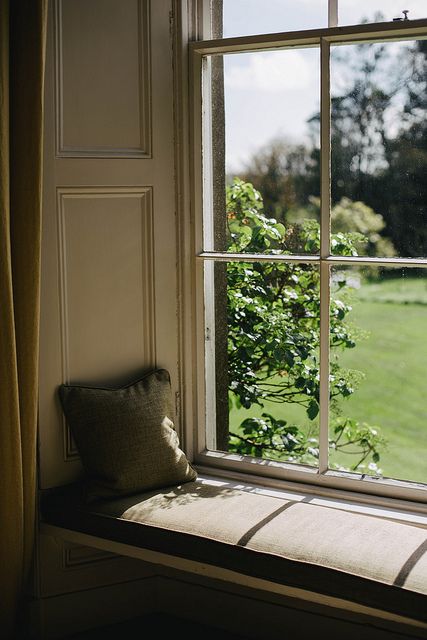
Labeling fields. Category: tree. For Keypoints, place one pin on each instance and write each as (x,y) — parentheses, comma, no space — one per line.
(404,185)
(365,225)
(379,137)
(273,339)
(286,174)
(358,120)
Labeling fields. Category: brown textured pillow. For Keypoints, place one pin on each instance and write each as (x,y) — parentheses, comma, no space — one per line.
(126,436)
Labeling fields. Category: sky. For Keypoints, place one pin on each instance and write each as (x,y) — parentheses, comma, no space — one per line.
(272,94)
(245,17)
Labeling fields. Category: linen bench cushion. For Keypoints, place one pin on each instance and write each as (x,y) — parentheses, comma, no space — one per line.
(369,560)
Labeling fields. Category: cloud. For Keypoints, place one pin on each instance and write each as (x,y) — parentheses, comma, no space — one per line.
(272,71)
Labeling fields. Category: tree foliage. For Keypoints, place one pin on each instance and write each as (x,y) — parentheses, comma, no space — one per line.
(273,339)
(403,186)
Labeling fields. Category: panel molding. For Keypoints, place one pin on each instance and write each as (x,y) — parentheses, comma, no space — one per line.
(144,150)
(76,556)
(70,452)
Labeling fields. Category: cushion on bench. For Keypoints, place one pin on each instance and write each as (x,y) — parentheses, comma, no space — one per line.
(362,558)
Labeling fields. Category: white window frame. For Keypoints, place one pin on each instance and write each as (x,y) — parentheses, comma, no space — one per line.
(272,473)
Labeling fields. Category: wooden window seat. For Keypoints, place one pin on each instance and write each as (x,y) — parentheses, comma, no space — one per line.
(368,564)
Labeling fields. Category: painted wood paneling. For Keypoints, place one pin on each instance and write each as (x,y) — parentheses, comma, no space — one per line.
(102,51)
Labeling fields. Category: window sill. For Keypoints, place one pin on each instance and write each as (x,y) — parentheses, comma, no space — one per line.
(393,508)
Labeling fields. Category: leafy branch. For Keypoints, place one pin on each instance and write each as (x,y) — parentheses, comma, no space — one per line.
(273,339)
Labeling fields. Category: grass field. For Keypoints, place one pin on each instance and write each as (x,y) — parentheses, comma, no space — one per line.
(393,357)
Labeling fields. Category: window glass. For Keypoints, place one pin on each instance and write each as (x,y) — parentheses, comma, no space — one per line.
(267,360)
(359,11)
(265,307)
(379,147)
(379,360)
(250,17)
(271,145)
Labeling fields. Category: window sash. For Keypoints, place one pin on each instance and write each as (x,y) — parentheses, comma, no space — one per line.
(352,34)
(202,215)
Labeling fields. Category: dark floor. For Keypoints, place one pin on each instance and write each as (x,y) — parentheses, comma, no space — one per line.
(156,625)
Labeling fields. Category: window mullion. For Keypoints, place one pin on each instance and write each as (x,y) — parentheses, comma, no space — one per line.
(332,13)
(324,367)
(208,209)
(325,226)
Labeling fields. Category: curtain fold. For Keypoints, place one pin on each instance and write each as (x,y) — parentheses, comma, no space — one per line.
(22,53)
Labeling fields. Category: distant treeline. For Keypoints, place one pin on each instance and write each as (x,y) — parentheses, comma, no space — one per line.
(379,146)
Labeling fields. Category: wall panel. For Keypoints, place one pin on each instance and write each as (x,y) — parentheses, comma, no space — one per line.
(105,242)
(103,79)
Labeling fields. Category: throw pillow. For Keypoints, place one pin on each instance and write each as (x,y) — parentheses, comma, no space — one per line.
(126,436)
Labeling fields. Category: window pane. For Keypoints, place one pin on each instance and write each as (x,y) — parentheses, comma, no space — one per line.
(250,17)
(269,165)
(359,11)
(262,359)
(379,149)
(378,371)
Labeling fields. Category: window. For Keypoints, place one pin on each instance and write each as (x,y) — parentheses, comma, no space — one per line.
(310,217)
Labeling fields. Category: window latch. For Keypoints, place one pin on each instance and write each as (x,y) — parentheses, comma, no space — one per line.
(405,14)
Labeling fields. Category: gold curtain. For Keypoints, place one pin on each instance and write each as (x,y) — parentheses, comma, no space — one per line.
(22,51)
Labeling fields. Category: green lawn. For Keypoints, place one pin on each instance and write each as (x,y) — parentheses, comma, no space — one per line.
(394,358)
